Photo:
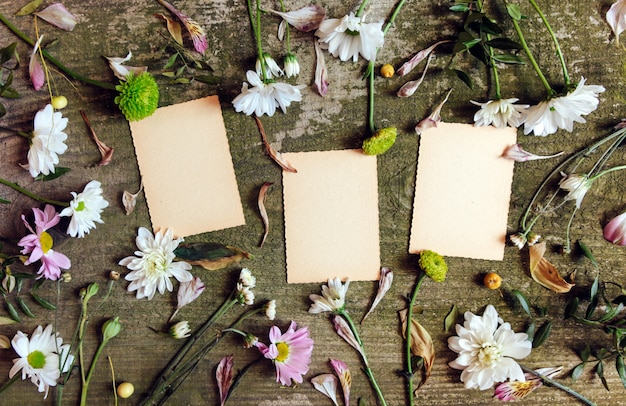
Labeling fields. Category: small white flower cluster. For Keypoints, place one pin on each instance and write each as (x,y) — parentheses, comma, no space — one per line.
(246,283)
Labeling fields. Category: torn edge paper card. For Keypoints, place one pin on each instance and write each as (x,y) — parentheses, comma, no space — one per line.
(462,191)
(331,216)
(187,170)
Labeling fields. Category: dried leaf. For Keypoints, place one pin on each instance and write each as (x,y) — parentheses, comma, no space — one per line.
(275,155)
(106,152)
(6,320)
(129,200)
(433,118)
(173,27)
(450,319)
(544,273)
(224,377)
(262,211)
(29,8)
(421,344)
(384,283)
(210,256)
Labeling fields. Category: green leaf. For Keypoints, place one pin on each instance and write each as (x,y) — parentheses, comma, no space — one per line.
(171,61)
(208,79)
(43,302)
(509,59)
(168,74)
(29,8)
(24,307)
(594,288)
(621,368)
(472,18)
(6,320)
(542,334)
(3,110)
(7,53)
(611,313)
(13,312)
(514,11)
(461,75)
(585,353)
(587,252)
(571,308)
(531,330)
(182,80)
(503,43)
(58,172)
(479,53)
(489,26)
(593,302)
(4,201)
(523,301)
(578,371)
(459,7)
(450,320)
(362,402)
(600,373)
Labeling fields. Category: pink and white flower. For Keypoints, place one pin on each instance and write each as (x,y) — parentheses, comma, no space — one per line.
(39,244)
(516,390)
(616,17)
(187,293)
(197,34)
(615,230)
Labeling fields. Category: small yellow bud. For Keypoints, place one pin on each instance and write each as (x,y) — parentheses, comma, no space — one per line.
(492,280)
(125,390)
(387,70)
(59,102)
(114,275)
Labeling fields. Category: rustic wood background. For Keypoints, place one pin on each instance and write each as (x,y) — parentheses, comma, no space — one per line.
(337,121)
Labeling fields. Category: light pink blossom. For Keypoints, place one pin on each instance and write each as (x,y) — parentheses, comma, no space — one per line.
(225,378)
(518,154)
(345,378)
(187,293)
(615,230)
(305,19)
(35,70)
(516,390)
(326,384)
(59,16)
(321,72)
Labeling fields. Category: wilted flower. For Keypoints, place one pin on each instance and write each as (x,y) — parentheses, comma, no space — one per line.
(576,186)
(187,293)
(332,299)
(615,230)
(434,117)
(500,113)
(48,141)
(59,16)
(8,282)
(196,32)
(344,331)
(180,330)
(518,239)
(154,265)
(321,72)
(35,70)
(290,352)
(138,96)
(345,378)
(85,209)
(305,19)
(292,67)
(120,71)
(270,309)
(39,244)
(516,390)
(518,154)
(264,98)
(487,349)
(616,17)
(561,112)
(269,65)
(350,36)
(326,384)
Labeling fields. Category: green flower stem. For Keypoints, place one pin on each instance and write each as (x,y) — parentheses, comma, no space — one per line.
(531,58)
(494,68)
(559,53)
(161,383)
(255,22)
(52,59)
(287,29)
(361,8)
(552,382)
(92,368)
(407,332)
(366,366)
(32,195)
(10,382)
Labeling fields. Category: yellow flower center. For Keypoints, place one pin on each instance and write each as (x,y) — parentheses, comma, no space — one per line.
(155,263)
(45,240)
(36,359)
(283,352)
(489,354)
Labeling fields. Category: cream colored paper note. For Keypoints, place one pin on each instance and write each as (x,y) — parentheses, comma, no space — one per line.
(186,167)
(331,216)
(462,191)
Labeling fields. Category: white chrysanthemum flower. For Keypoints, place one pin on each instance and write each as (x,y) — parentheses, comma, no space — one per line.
(576,186)
(246,278)
(48,141)
(500,113)
(350,36)
(487,349)
(271,67)
(39,357)
(264,98)
(561,112)
(85,209)
(154,265)
(333,297)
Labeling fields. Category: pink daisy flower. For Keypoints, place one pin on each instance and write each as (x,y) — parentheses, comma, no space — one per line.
(39,244)
(290,352)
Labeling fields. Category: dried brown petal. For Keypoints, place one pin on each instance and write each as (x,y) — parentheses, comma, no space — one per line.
(275,155)
(106,152)
(418,57)
(384,284)
(544,273)
(129,200)
(262,211)
(174,27)
(421,344)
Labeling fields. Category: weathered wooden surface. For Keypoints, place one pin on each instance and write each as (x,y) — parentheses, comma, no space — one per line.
(337,121)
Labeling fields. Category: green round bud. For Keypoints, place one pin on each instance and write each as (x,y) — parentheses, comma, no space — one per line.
(380,142)
(433,265)
(138,96)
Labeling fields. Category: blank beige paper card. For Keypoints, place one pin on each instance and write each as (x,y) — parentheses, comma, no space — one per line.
(331,216)
(187,170)
(462,191)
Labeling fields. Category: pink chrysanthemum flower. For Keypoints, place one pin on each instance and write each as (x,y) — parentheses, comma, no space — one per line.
(39,244)
(290,352)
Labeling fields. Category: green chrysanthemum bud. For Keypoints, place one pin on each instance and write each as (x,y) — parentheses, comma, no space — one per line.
(433,265)
(380,142)
(139,96)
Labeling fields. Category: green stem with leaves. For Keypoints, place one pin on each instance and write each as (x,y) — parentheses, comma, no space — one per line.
(407,332)
(492,62)
(32,195)
(553,383)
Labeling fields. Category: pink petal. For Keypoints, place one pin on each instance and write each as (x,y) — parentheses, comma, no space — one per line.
(305,19)
(616,17)
(58,16)
(35,70)
(615,230)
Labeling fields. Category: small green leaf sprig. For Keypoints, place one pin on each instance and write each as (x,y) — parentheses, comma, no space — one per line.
(9,63)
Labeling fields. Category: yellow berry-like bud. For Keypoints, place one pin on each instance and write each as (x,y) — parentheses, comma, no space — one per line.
(492,280)
(387,70)
(59,102)
(125,390)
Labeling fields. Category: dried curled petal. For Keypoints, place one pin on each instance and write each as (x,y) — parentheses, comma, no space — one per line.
(544,273)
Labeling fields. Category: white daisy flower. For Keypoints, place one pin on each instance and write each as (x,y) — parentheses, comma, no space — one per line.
(487,349)
(576,186)
(85,209)
(561,112)
(333,297)
(39,357)
(264,98)
(246,278)
(500,113)
(271,67)
(350,36)
(154,265)
(48,141)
